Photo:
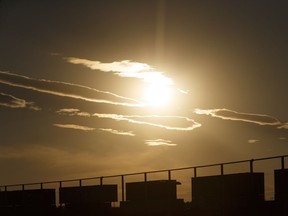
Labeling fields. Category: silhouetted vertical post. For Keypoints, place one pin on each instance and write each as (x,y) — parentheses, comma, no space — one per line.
(282,162)
(123,189)
(169,174)
(60,186)
(251,166)
(145,180)
(80,182)
(5,188)
(41,186)
(195,171)
(23,187)
(222,169)
(101,180)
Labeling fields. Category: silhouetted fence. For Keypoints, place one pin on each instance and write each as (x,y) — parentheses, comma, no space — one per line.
(64,191)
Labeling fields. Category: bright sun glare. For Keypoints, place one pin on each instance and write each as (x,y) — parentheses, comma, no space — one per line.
(158,91)
(157,95)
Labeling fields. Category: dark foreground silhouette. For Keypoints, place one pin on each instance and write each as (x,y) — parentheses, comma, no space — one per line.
(240,194)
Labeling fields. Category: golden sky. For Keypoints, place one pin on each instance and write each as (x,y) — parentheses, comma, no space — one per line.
(89,88)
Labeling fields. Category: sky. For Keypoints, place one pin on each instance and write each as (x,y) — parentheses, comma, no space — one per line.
(92,88)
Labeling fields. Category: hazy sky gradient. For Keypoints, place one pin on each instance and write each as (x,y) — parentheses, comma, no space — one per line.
(73,73)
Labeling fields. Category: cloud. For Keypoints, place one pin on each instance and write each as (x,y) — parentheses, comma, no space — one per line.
(126,68)
(125,133)
(252,141)
(183,91)
(73,126)
(65,89)
(73,112)
(237,116)
(159,142)
(11,101)
(283,126)
(132,119)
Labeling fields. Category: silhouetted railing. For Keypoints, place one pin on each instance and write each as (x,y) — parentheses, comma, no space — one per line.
(221,166)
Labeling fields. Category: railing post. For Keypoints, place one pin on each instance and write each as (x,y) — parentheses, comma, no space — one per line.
(251,166)
(101,180)
(41,186)
(145,186)
(195,172)
(282,162)
(23,187)
(5,188)
(222,169)
(80,182)
(60,186)
(169,174)
(123,188)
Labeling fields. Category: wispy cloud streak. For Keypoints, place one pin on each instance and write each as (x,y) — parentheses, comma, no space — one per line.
(11,101)
(253,141)
(237,116)
(73,126)
(259,119)
(159,142)
(73,112)
(65,89)
(132,119)
(283,126)
(135,119)
(126,68)
(117,132)
(85,128)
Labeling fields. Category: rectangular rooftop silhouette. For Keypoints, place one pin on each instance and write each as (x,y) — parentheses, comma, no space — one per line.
(234,193)
(37,197)
(281,185)
(152,190)
(88,194)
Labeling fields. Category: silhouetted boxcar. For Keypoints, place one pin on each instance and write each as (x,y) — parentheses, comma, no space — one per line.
(152,190)
(88,194)
(281,185)
(152,198)
(235,194)
(281,190)
(41,197)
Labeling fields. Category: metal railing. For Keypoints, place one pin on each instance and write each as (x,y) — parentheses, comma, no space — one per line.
(251,163)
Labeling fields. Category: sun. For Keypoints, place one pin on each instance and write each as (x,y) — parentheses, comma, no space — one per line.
(157,95)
